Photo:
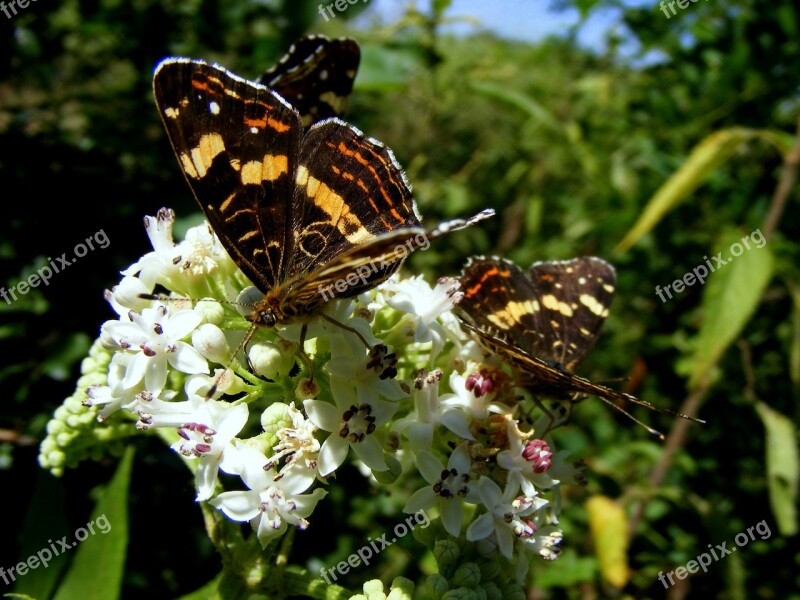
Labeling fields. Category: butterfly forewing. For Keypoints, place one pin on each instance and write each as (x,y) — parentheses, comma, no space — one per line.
(316,76)
(237,144)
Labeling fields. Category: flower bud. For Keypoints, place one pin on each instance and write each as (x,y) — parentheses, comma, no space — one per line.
(270,360)
(209,341)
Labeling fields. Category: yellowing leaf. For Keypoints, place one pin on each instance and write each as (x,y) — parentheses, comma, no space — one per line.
(609,525)
(703,160)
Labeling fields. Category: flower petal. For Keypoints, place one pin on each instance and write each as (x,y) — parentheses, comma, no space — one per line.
(332,454)
(239,506)
(187,360)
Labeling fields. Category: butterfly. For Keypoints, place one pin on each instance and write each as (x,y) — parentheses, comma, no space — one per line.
(315,76)
(544,321)
(306,214)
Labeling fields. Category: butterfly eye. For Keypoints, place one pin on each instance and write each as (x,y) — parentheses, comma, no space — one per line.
(266,318)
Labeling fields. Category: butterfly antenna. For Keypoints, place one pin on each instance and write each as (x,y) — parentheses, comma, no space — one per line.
(652,431)
(668,411)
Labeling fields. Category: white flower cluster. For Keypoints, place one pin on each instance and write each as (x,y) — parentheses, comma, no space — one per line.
(386,403)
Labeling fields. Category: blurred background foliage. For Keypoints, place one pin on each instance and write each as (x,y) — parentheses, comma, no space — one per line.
(652,158)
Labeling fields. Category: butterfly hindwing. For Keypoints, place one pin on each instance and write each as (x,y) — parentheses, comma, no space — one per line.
(350,190)
(574,298)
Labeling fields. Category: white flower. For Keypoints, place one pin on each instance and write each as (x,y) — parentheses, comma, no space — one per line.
(351,426)
(425,305)
(449,487)
(372,374)
(504,517)
(526,462)
(272,502)
(477,407)
(297,443)
(207,434)
(124,297)
(428,414)
(201,253)
(154,336)
(158,266)
(113,396)
(209,340)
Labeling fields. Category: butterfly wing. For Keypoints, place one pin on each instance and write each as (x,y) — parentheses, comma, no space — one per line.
(546,377)
(367,265)
(316,76)
(236,143)
(574,297)
(554,312)
(350,190)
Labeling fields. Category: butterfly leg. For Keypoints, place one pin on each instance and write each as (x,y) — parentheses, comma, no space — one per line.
(352,330)
(301,352)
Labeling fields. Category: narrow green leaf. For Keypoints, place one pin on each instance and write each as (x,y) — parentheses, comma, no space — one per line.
(703,160)
(609,526)
(783,467)
(730,297)
(523,102)
(96,573)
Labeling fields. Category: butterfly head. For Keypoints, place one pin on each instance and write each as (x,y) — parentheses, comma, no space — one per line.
(266,313)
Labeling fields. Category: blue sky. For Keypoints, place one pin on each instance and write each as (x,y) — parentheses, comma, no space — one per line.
(529,20)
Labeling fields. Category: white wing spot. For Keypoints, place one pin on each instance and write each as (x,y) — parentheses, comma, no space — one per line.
(213,107)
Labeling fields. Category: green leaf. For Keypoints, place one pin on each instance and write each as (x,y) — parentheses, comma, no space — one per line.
(609,526)
(703,160)
(730,297)
(96,573)
(439,6)
(783,467)
(535,111)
